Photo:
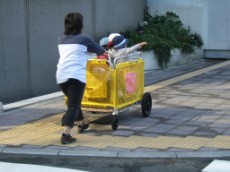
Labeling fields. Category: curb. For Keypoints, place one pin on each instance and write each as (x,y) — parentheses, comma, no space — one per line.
(31,101)
(117,154)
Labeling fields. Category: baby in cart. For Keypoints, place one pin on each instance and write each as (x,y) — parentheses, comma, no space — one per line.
(117,47)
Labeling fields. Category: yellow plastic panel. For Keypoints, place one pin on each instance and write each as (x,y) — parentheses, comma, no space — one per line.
(99,84)
(129,82)
(113,88)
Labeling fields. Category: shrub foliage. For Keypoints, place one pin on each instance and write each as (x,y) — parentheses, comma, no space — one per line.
(164,33)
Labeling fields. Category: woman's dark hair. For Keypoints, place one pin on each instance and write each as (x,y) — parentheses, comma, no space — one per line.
(73,24)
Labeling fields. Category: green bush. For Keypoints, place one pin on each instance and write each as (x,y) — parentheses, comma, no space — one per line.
(164,33)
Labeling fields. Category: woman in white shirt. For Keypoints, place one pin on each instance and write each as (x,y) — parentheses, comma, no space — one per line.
(71,71)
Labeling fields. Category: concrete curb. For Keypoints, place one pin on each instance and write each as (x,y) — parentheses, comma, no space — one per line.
(30,151)
(117,154)
(31,101)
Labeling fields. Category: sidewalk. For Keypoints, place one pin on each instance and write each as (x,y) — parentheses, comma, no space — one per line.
(190,118)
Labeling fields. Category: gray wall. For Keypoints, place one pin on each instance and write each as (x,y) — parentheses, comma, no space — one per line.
(28,38)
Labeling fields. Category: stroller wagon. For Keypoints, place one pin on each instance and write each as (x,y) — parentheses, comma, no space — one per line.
(114,87)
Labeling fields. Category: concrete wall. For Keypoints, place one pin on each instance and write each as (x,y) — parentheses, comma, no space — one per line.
(28,38)
(210,18)
(14,77)
(117,15)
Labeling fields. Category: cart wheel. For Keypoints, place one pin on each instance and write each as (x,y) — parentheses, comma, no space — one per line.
(146,104)
(115,123)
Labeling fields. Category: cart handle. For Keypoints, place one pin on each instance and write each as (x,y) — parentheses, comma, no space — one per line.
(130,56)
(108,62)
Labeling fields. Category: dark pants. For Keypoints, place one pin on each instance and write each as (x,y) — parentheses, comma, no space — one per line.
(74,90)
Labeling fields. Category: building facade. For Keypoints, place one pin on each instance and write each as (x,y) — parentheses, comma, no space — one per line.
(28,38)
(210,18)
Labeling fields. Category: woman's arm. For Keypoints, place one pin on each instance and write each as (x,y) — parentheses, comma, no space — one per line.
(93,47)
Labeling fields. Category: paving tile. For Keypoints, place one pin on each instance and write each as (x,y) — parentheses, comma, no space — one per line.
(147,154)
(191,142)
(118,149)
(51,147)
(182,117)
(192,112)
(227,131)
(219,142)
(223,122)
(223,107)
(145,150)
(30,151)
(176,121)
(95,153)
(165,126)
(215,100)
(219,125)
(219,131)
(178,150)
(123,133)
(208,149)
(180,132)
(187,128)
(204,134)
(31,147)
(156,130)
(203,154)
(197,123)
(208,118)
(206,106)
(149,134)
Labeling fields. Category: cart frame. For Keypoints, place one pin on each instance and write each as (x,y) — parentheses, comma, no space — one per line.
(114,88)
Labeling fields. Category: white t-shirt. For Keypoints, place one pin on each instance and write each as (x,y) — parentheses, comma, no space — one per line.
(73,57)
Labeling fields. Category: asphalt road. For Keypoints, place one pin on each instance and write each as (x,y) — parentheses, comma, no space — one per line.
(96,164)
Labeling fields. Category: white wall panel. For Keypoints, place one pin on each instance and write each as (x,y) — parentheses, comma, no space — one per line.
(192,16)
(210,18)
(218,24)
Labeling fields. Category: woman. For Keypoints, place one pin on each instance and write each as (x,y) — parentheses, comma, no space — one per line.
(71,71)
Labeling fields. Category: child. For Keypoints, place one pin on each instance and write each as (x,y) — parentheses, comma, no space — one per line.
(110,39)
(106,43)
(119,47)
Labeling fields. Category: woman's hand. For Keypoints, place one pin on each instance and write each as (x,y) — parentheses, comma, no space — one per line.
(103,56)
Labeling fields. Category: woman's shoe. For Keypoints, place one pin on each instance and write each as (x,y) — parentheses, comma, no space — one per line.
(82,127)
(67,138)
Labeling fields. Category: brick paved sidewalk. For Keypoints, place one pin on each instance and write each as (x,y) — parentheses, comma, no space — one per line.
(190,115)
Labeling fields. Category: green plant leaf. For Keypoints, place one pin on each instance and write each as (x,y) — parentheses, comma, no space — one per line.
(164,33)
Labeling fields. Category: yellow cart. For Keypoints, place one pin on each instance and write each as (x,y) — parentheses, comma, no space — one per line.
(112,87)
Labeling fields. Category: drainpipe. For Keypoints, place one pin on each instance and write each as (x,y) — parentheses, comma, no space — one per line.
(1,107)
(28,65)
(94,19)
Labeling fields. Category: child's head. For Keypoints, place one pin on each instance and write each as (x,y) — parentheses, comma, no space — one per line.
(111,36)
(104,42)
(119,42)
